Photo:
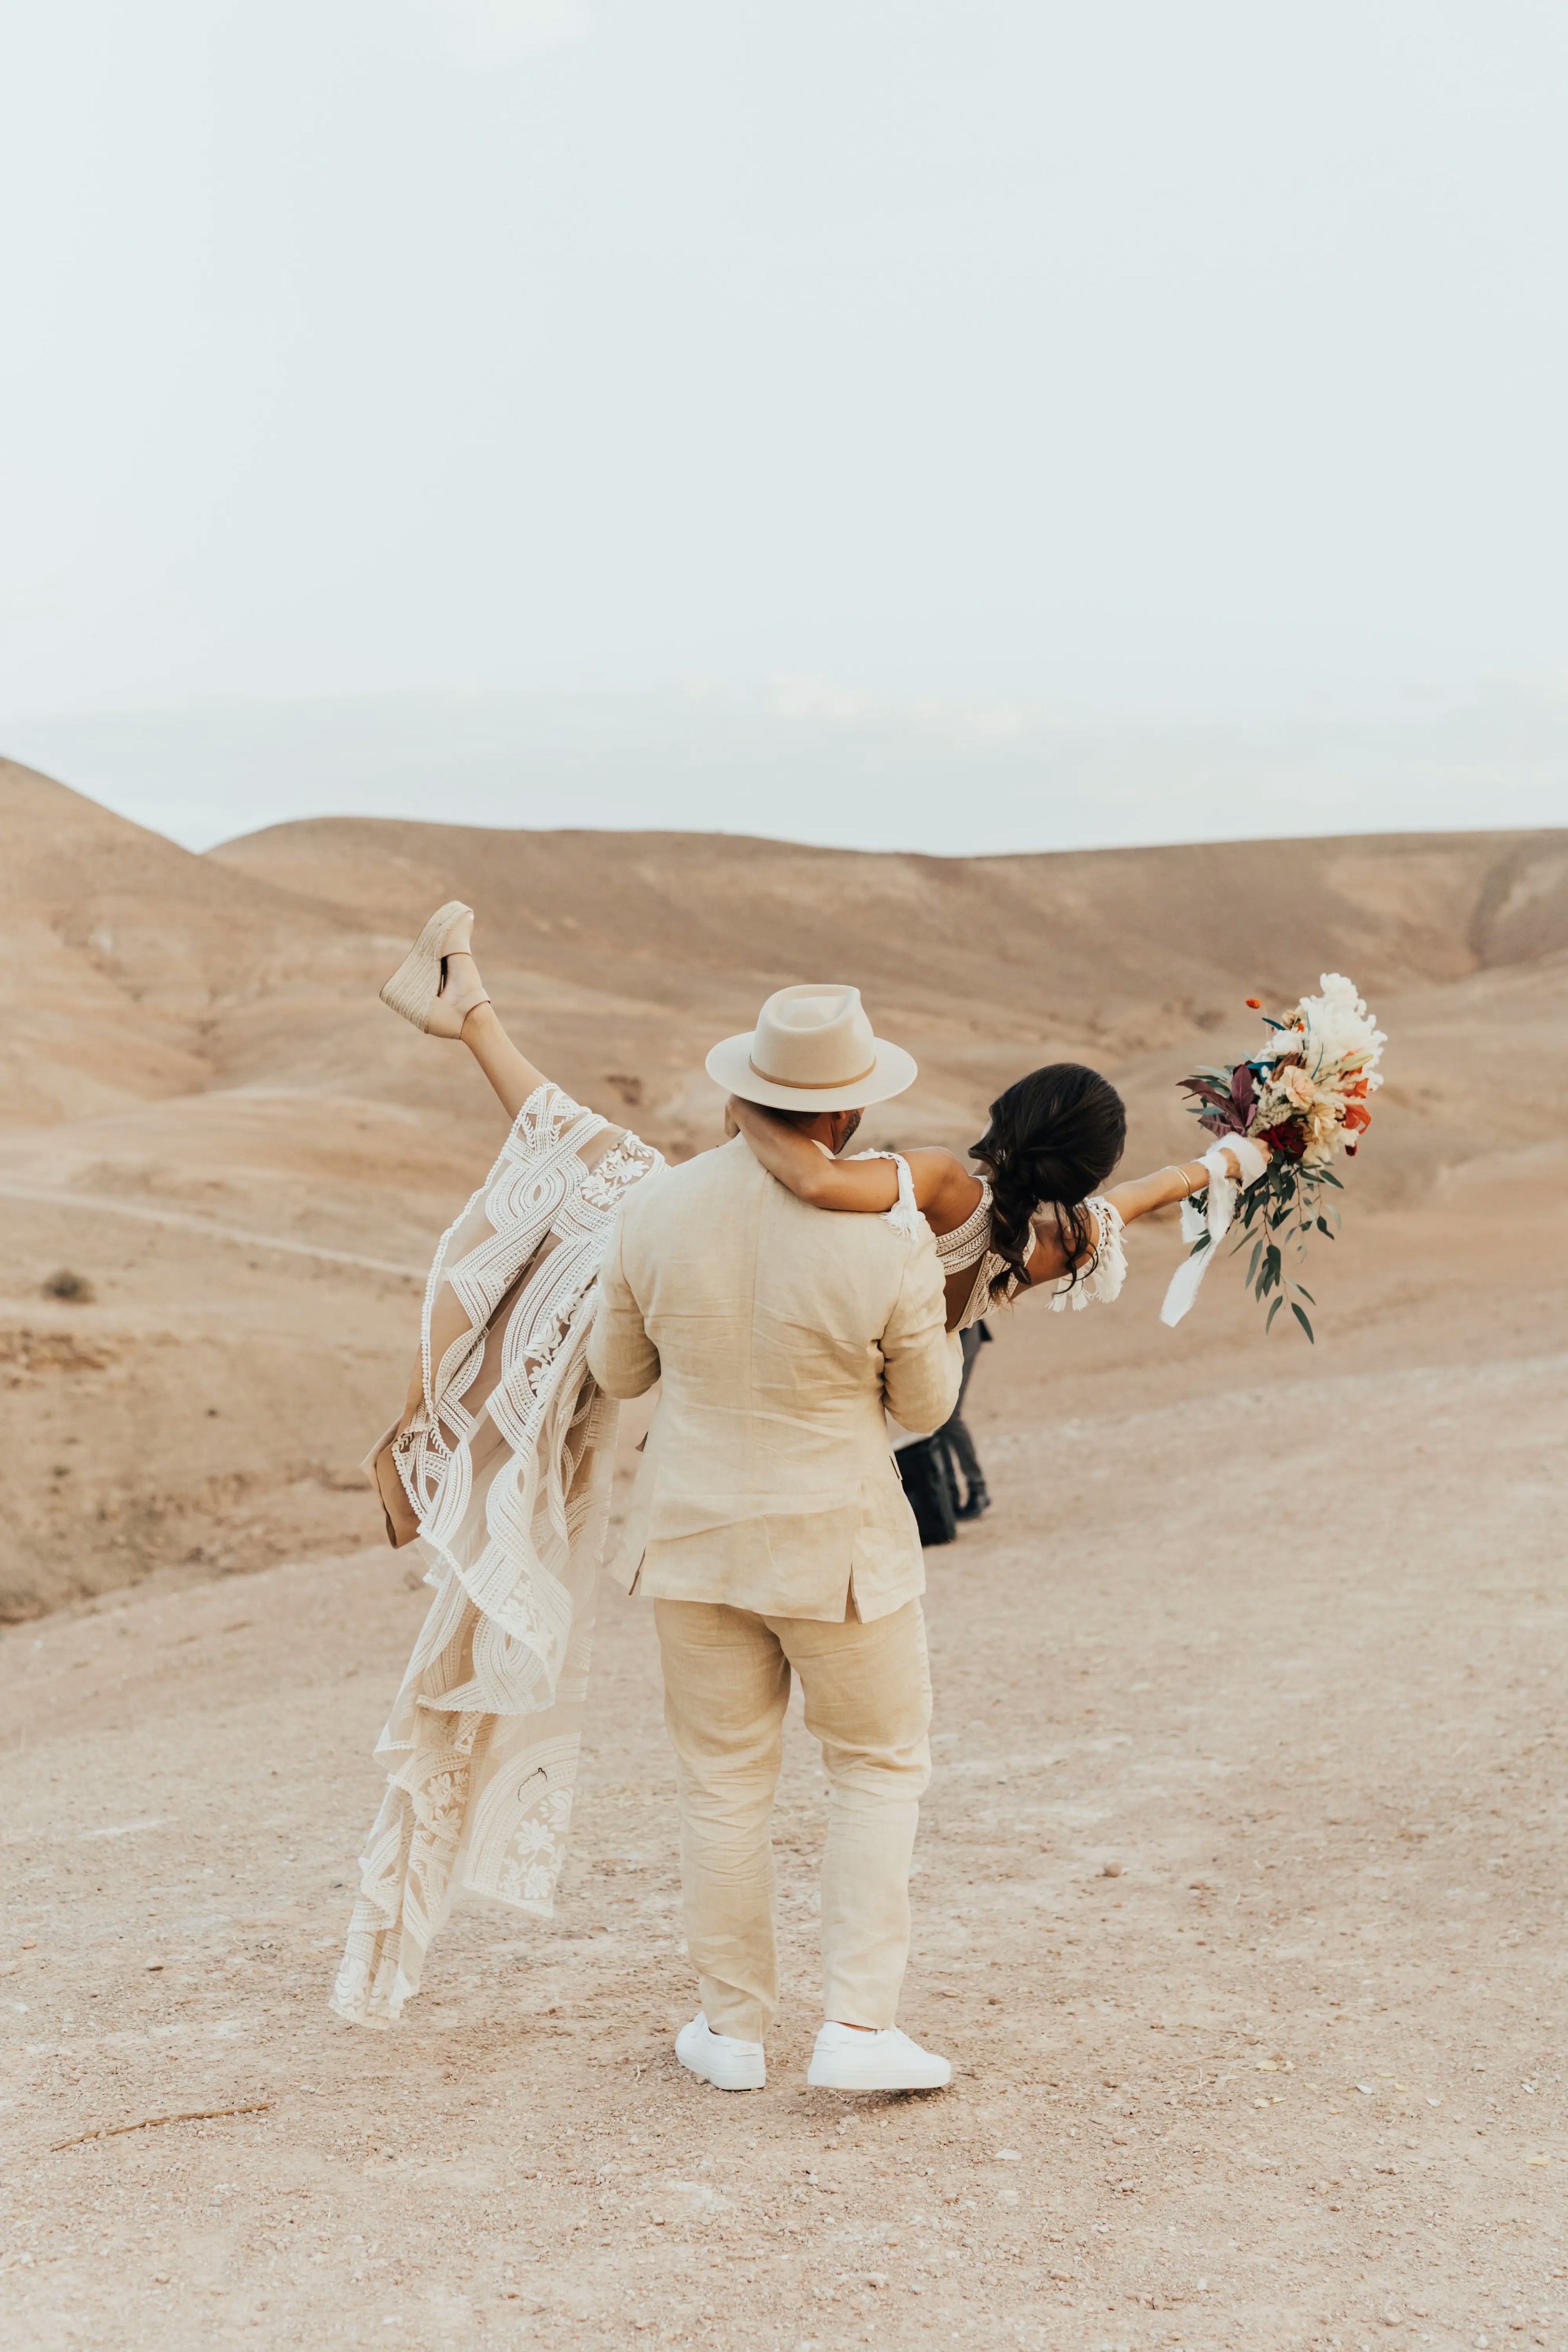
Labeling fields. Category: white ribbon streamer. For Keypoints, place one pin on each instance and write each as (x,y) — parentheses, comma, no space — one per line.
(1214,1219)
(1250,1157)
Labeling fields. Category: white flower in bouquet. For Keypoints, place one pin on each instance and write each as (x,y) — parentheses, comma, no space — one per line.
(1332,1033)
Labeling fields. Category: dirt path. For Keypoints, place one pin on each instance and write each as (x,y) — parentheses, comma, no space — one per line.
(1239,1909)
(175,1221)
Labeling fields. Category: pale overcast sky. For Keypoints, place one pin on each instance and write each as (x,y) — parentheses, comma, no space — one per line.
(1074,369)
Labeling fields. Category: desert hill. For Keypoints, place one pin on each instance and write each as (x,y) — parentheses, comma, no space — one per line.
(981,957)
(1415,907)
(141,971)
(121,947)
(210,1121)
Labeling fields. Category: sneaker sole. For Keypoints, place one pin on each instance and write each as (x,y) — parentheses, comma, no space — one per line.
(867,2079)
(714,2083)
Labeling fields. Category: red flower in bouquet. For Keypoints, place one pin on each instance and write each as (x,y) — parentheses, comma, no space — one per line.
(1289,1141)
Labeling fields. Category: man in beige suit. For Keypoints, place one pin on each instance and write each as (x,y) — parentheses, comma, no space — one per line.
(775,1539)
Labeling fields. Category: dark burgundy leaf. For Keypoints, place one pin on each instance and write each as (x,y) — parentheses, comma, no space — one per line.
(1216,1095)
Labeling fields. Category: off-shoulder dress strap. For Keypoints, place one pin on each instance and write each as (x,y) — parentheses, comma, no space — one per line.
(904,1216)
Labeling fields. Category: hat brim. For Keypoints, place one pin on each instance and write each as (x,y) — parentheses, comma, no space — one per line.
(730,1067)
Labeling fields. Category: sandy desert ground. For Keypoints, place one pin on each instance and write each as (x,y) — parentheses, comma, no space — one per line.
(1239,1903)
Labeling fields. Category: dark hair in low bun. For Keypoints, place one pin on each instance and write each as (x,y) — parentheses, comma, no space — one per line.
(1054,1138)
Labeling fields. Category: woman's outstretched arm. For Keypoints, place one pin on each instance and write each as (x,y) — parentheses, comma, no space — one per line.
(1141,1193)
(945,1192)
(1137,1198)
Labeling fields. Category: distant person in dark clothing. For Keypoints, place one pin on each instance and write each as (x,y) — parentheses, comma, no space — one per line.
(955,1442)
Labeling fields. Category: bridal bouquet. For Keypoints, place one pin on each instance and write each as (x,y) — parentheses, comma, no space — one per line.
(1305,1094)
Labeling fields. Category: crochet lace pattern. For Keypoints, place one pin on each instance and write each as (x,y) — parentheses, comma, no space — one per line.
(1102,1280)
(507,1460)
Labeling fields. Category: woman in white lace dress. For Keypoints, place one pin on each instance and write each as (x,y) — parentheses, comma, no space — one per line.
(501,1466)
(500,1462)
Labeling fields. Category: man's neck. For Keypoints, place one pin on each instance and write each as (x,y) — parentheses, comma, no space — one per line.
(830,1129)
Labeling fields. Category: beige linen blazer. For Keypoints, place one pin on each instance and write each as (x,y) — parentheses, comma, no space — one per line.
(781,1333)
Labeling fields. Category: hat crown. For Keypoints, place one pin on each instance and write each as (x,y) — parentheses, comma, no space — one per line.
(814,1035)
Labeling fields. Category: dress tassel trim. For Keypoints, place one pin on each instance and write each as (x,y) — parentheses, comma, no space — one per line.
(1103,1281)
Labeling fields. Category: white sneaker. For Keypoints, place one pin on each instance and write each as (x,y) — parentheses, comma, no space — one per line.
(845,2059)
(720,2058)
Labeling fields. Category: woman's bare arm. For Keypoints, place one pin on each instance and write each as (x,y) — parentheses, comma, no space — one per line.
(1142,1193)
(1137,1198)
(865,1185)
(945,1192)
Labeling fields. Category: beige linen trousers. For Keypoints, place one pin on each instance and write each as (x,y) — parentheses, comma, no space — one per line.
(770,1529)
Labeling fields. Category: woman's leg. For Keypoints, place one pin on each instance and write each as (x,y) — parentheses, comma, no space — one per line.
(511,1074)
(458,1005)
(462,1009)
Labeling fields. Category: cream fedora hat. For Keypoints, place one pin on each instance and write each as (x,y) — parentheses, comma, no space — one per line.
(812,1049)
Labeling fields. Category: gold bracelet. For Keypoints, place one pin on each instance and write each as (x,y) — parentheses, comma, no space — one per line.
(1170,1168)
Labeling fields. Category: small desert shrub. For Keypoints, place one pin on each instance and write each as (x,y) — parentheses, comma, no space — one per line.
(64,1284)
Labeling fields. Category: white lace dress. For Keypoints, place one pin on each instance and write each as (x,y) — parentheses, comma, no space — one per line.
(507,1460)
(970,1244)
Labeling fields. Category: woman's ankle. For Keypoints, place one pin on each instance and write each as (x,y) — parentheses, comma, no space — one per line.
(479,1026)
